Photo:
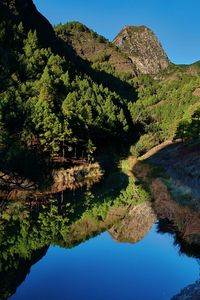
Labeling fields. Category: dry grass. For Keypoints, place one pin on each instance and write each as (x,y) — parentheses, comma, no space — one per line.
(76,177)
(72,178)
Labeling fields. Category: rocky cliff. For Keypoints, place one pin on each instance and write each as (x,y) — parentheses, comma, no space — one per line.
(135,225)
(134,50)
(143,48)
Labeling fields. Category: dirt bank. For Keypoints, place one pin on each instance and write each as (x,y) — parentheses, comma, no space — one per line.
(180,162)
(185,219)
(12,187)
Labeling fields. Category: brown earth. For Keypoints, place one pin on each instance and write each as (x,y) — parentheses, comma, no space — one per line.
(89,47)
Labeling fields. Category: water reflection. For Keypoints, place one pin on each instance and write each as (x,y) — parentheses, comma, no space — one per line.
(191,292)
(180,221)
(13,276)
(28,229)
(135,224)
(103,269)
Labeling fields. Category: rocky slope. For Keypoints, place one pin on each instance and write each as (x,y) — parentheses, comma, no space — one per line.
(95,48)
(134,50)
(143,48)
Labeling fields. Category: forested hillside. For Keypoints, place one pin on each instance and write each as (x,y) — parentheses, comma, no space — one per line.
(96,49)
(68,92)
(48,104)
(163,105)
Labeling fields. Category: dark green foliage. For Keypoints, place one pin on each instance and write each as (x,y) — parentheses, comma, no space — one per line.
(145,143)
(47,108)
(161,106)
(189,130)
(63,29)
(27,163)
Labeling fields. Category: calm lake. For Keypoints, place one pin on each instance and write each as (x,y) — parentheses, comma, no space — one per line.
(76,249)
(101,268)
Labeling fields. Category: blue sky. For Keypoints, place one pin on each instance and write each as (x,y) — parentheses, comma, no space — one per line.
(175,22)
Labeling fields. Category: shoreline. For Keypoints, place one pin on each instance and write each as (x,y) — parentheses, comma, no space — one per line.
(184,217)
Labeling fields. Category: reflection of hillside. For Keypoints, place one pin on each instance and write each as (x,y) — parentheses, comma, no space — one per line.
(178,210)
(26,230)
(135,224)
(186,222)
(182,221)
(75,217)
(89,226)
(190,249)
(10,279)
(26,234)
(191,292)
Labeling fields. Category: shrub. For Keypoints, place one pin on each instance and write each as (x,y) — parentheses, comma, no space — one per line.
(145,143)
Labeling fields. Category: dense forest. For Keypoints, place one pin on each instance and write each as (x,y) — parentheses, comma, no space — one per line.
(70,97)
(49,106)
(162,106)
(56,104)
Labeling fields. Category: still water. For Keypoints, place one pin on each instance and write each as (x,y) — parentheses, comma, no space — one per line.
(101,268)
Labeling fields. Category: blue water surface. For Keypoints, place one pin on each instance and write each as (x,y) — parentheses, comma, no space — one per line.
(103,269)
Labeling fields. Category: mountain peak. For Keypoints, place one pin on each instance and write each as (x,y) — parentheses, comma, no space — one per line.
(95,48)
(136,28)
(143,48)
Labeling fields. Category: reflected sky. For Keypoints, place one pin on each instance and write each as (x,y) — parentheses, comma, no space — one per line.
(102,268)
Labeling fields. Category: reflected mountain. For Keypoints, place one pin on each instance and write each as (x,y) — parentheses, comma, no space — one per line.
(27,230)
(191,292)
(191,249)
(135,224)
(181,221)
(184,224)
